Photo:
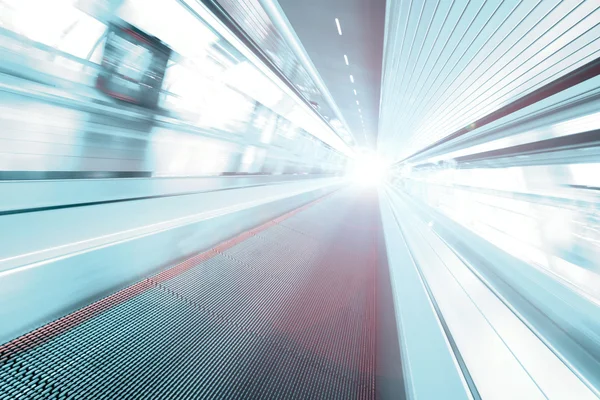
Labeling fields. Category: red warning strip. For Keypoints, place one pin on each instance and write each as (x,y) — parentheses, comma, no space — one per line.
(62,325)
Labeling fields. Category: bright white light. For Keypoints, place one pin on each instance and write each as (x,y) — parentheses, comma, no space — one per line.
(346,59)
(337,23)
(357,103)
(351,79)
(247,79)
(369,170)
(356,94)
(187,36)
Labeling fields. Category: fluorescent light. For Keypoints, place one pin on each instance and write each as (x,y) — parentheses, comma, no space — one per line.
(346,59)
(356,94)
(351,79)
(357,103)
(337,22)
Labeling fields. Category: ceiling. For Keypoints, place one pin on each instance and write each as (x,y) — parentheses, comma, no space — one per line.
(362,23)
(429,69)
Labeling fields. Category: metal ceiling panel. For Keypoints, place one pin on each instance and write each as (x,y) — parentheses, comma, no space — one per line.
(449,63)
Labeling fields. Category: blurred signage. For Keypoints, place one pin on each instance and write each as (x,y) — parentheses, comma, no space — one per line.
(133,65)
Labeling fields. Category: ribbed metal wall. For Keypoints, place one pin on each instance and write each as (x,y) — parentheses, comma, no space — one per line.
(448,63)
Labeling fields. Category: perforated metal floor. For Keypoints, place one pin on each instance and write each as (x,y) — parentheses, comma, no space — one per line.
(285,311)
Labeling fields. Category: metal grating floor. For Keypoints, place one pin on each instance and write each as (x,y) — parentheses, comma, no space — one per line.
(285,311)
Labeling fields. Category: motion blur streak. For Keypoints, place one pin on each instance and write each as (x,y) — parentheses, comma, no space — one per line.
(197,202)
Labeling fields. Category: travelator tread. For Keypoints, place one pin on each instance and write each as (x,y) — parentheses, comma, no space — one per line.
(286,310)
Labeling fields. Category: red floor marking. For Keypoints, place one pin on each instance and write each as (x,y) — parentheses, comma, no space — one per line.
(61,325)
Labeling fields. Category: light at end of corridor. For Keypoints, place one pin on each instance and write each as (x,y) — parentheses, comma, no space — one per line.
(369,170)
